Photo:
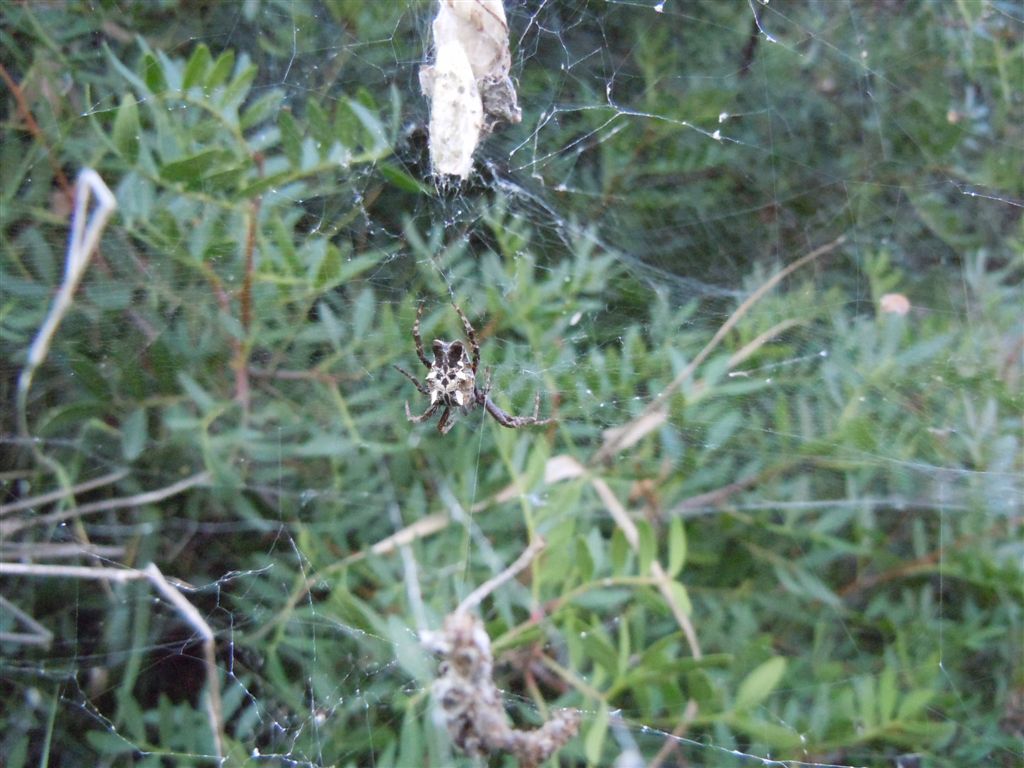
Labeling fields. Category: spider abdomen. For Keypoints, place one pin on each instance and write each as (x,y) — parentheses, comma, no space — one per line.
(452,385)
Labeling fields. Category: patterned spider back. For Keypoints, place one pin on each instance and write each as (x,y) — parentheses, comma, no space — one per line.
(451,380)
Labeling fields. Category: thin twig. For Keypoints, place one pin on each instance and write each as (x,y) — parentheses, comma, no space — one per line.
(717,497)
(245,299)
(632,534)
(10,527)
(241,359)
(760,340)
(238,357)
(84,572)
(616,438)
(40,635)
(81,244)
(564,468)
(477,595)
(173,595)
(672,745)
(36,550)
(313,375)
(62,493)
(926,562)
(37,133)
(189,612)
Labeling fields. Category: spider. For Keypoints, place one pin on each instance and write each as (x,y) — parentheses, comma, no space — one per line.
(451,382)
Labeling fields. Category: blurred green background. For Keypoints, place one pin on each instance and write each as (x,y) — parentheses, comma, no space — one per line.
(832,496)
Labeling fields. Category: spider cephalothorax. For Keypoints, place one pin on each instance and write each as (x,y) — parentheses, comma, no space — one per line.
(451,381)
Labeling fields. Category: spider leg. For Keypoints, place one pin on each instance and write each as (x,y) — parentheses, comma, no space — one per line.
(423,390)
(416,338)
(423,416)
(471,335)
(443,425)
(515,422)
(480,395)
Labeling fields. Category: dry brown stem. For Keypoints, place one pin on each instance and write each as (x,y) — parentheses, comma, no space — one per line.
(37,133)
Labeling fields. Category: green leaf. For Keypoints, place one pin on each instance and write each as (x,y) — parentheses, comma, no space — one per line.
(371,122)
(17,751)
(801,582)
(329,267)
(69,416)
(133,434)
(619,553)
(319,125)
(109,743)
(776,735)
(116,299)
(333,328)
(135,198)
(238,89)
(756,687)
(126,73)
(125,134)
(409,651)
(936,735)
(91,377)
(593,744)
(259,186)
(223,180)
(648,546)
(676,546)
(262,109)
(197,66)
(221,69)
(291,136)
(700,688)
(411,746)
(624,649)
(199,395)
(583,560)
(887,695)
(681,597)
(914,703)
(603,654)
(402,180)
(865,689)
(353,266)
(606,599)
(722,429)
(153,74)
(194,167)
(171,69)
(169,720)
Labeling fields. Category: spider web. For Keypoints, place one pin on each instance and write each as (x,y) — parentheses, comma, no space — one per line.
(323,578)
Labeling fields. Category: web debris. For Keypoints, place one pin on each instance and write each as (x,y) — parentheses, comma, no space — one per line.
(468,85)
(469,704)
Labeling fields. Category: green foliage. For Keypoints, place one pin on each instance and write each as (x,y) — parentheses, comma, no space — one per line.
(832,497)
